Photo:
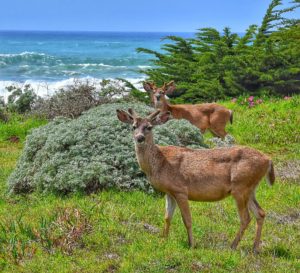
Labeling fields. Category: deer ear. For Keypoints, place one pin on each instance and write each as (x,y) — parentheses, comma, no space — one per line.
(162,118)
(148,86)
(170,88)
(124,117)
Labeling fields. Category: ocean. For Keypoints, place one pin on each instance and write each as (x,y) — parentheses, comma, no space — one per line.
(51,60)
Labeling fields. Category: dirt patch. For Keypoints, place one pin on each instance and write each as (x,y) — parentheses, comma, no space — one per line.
(151,229)
(147,227)
(289,218)
(111,268)
(289,171)
(14,139)
(215,240)
(111,256)
(198,266)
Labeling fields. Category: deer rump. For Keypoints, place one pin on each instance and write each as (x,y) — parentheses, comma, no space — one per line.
(204,116)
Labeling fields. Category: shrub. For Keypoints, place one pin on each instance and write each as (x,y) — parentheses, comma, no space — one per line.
(92,152)
(81,96)
(21,99)
(3,114)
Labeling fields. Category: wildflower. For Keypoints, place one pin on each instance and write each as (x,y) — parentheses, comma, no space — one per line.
(251,99)
(287,97)
(234,100)
(251,104)
(259,101)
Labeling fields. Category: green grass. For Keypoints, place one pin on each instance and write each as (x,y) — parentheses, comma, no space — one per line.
(272,127)
(118,231)
(19,126)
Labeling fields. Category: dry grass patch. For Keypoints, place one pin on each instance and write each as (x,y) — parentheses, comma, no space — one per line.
(289,171)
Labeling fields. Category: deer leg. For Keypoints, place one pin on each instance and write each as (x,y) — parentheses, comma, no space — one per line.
(218,132)
(242,205)
(170,208)
(183,205)
(202,130)
(260,216)
(217,125)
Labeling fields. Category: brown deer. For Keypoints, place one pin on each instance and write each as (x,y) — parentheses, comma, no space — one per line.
(200,175)
(211,116)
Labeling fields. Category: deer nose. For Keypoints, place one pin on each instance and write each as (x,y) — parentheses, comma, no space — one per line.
(140,138)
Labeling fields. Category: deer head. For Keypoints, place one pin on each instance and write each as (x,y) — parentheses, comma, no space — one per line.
(142,127)
(157,94)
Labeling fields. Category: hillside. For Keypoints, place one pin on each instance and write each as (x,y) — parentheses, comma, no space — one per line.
(115,231)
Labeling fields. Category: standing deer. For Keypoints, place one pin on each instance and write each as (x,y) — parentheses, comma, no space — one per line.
(211,116)
(200,175)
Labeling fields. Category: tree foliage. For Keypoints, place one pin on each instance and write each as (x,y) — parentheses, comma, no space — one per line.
(215,65)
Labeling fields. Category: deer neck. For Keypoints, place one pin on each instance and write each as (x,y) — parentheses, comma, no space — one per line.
(164,105)
(147,155)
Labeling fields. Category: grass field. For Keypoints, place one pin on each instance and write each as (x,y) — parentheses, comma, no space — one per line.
(120,231)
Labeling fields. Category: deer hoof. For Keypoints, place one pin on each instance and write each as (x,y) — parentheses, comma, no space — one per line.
(256,250)
(233,246)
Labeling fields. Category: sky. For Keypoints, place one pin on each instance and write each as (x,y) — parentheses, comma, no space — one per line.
(131,15)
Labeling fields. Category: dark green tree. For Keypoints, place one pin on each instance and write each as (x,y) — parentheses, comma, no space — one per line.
(215,65)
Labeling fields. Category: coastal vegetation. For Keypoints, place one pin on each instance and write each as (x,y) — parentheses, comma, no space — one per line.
(116,230)
(214,65)
(72,197)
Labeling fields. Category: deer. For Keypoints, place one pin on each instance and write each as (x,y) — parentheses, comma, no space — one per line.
(206,175)
(206,116)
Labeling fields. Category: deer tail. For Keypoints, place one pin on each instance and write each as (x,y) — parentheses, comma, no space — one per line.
(231,116)
(270,174)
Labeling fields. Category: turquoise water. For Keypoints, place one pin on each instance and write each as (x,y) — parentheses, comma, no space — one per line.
(56,56)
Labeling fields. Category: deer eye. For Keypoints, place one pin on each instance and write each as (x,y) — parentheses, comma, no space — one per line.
(149,128)
(134,127)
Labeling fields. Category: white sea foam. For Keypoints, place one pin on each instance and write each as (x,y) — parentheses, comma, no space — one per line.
(43,88)
(105,42)
(144,66)
(99,65)
(25,53)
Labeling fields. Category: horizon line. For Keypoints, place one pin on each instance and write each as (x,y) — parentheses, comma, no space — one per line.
(115,31)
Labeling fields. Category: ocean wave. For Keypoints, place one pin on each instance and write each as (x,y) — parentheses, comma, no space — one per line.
(99,65)
(28,58)
(106,42)
(47,67)
(25,53)
(144,66)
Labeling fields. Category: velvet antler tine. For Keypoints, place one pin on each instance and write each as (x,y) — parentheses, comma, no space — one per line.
(153,115)
(132,113)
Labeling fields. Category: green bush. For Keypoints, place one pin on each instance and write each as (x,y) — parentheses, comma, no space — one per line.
(92,152)
(21,99)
